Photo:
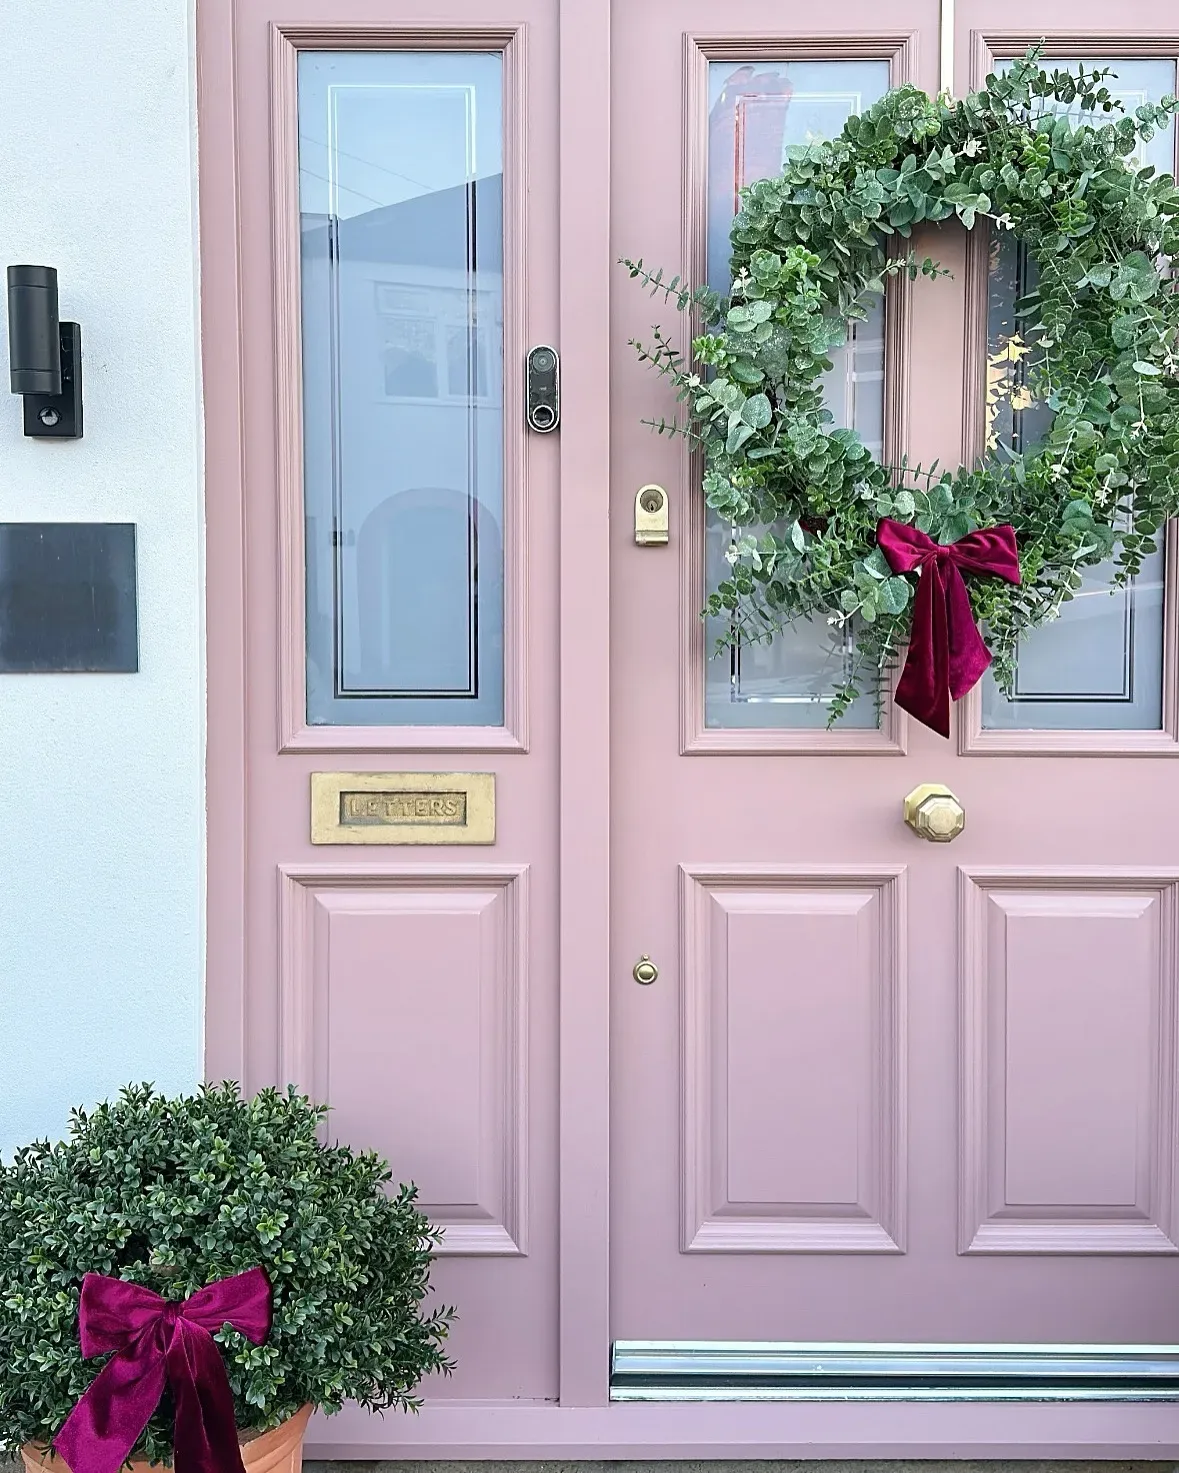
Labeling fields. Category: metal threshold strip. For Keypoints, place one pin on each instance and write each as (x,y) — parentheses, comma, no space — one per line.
(772,1371)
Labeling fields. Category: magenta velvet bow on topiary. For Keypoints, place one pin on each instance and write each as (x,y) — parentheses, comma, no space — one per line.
(154,1342)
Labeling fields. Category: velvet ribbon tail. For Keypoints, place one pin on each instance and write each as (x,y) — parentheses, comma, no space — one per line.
(947,653)
(150,1342)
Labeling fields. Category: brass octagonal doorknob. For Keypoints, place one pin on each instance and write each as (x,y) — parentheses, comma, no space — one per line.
(933,813)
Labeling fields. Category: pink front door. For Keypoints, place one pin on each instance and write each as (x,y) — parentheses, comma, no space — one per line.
(470,761)
(384,938)
(883,1089)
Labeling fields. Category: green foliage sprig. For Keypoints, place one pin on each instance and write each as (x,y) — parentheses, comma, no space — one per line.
(173,1193)
(813,247)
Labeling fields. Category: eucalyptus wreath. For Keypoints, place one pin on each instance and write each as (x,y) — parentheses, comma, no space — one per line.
(813,247)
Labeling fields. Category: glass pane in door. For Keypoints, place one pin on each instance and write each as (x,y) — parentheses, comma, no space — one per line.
(757,111)
(1099,666)
(401,230)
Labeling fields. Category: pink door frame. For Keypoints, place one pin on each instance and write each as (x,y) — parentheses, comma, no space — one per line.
(585,267)
(583,1424)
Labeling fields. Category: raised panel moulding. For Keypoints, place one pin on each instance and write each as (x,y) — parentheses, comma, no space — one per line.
(403,1001)
(777,1078)
(1067,1062)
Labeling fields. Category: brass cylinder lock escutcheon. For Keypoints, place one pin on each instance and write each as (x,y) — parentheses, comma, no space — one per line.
(651,516)
(933,813)
(645,971)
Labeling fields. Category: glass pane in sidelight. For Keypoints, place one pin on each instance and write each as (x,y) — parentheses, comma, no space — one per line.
(400,194)
(1099,666)
(757,111)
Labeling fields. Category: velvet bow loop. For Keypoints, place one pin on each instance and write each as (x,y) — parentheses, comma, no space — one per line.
(152,1341)
(947,653)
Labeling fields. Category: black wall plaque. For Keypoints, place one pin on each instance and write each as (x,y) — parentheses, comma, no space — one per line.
(67,597)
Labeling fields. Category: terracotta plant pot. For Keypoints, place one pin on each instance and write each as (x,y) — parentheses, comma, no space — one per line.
(278,1451)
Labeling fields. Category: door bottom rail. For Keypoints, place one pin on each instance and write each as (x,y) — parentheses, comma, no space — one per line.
(714,1370)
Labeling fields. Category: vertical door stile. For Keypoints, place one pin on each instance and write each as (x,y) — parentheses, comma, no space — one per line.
(223,450)
(584,652)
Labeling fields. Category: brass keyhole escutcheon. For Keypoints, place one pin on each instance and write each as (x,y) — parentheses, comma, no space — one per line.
(645,971)
(651,522)
(933,813)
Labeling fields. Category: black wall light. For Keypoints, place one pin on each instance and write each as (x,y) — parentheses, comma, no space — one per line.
(45,355)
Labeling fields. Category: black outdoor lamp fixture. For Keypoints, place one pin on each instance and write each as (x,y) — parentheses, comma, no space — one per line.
(45,355)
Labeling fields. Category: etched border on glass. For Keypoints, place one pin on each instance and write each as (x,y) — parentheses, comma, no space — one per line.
(899,49)
(295,732)
(467,688)
(986,48)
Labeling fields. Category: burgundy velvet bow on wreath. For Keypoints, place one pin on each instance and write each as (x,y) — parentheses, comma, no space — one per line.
(947,654)
(156,1341)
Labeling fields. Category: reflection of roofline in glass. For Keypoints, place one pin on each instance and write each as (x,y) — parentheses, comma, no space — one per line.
(427,230)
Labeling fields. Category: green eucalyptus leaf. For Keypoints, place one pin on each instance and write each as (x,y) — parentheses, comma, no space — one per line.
(756,411)
(894,595)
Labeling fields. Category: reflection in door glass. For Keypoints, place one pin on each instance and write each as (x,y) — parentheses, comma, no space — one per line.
(1099,667)
(758,110)
(401,230)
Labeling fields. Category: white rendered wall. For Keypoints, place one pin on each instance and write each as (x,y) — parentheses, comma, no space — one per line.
(101,776)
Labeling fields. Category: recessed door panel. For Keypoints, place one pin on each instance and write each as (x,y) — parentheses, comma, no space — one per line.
(1068,1067)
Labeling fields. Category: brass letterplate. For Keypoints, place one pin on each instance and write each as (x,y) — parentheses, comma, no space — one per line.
(403,808)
